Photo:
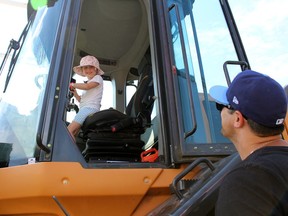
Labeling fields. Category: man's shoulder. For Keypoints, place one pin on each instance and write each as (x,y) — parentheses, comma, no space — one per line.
(269,162)
(269,157)
(255,184)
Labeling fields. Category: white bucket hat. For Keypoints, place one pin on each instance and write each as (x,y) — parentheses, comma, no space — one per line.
(87,61)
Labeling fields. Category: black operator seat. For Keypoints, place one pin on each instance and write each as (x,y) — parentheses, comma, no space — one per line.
(113,135)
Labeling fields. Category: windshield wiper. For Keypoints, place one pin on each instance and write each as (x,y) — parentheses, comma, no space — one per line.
(16,45)
(12,45)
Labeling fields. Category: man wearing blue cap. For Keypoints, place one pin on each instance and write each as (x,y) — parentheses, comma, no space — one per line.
(253,110)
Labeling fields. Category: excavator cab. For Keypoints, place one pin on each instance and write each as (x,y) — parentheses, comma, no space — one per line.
(155,147)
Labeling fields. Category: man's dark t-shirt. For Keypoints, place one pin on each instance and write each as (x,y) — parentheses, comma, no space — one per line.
(258,186)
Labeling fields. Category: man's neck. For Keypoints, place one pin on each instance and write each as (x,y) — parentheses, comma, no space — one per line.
(250,144)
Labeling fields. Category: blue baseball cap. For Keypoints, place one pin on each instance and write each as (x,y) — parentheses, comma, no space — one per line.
(257,96)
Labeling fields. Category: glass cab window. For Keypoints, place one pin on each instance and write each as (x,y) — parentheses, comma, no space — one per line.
(24,85)
(201,45)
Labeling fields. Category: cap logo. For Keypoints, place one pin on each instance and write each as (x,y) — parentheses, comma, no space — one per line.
(279,121)
(235,100)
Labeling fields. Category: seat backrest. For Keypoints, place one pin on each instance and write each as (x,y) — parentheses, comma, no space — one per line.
(142,100)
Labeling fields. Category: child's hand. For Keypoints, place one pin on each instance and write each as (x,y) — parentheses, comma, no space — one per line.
(71,87)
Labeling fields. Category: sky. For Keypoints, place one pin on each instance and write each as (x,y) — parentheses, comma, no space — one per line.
(12,21)
(264,21)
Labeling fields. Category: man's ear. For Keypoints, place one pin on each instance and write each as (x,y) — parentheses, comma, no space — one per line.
(239,119)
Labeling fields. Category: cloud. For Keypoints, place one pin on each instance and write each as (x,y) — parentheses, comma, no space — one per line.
(12,29)
(263,28)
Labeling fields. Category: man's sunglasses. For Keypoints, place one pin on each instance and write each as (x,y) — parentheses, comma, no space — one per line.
(221,106)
